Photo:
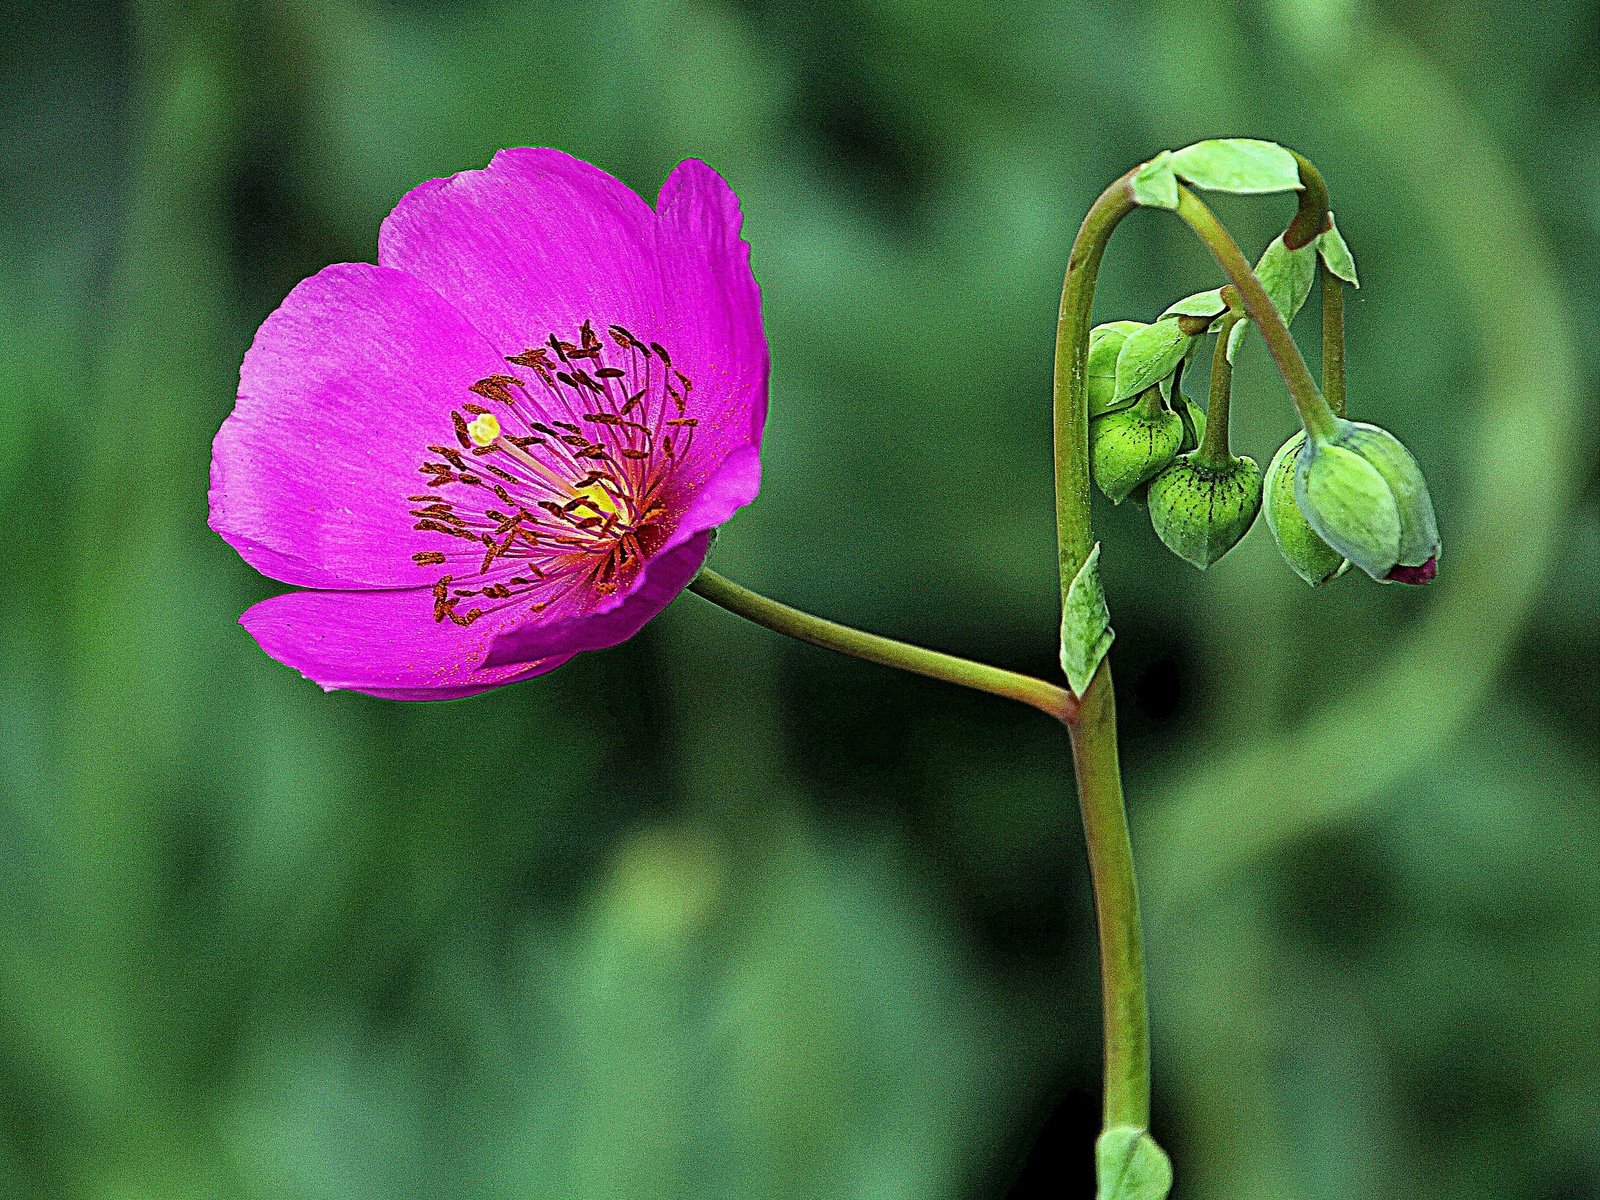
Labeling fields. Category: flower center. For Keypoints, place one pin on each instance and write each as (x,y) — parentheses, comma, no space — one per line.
(558,487)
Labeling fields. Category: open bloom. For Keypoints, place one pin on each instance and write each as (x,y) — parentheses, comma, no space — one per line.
(507,442)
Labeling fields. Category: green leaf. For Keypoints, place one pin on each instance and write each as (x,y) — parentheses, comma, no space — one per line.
(1154,185)
(1194,422)
(1238,165)
(1086,633)
(1336,255)
(1201,304)
(1287,275)
(1148,356)
(1237,336)
(1105,343)
(1130,1166)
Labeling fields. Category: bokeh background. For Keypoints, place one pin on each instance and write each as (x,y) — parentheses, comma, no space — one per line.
(720,916)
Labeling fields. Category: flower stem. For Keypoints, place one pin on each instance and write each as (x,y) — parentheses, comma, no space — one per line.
(780,618)
(1332,339)
(1126,1021)
(1315,414)
(1311,217)
(1215,449)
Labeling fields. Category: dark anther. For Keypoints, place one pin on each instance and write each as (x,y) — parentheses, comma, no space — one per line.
(496,388)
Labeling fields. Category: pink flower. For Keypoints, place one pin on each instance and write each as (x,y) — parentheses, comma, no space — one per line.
(508,442)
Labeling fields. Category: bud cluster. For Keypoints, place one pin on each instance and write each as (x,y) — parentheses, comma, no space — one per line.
(1353,495)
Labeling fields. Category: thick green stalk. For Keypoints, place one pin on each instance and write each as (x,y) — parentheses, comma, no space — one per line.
(1126,1020)
(1124,1008)
(1315,414)
(780,618)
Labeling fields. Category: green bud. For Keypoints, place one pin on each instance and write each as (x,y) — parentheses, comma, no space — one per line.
(1128,447)
(1364,494)
(1308,555)
(1200,511)
(1105,343)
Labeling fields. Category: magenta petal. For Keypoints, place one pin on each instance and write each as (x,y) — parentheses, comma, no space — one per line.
(382,643)
(715,307)
(667,574)
(1417,576)
(339,396)
(534,244)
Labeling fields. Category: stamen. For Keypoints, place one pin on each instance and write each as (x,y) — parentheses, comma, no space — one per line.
(560,488)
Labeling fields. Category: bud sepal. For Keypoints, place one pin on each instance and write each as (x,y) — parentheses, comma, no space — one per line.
(1308,555)
(1129,447)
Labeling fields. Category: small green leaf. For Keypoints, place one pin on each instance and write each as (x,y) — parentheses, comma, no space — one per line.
(1194,422)
(1237,336)
(1148,356)
(1201,304)
(1287,275)
(1336,255)
(1238,165)
(1154,185)
(1086,633)
(1105,343)
(1130,1166)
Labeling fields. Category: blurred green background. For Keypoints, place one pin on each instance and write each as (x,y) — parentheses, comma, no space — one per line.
(727,917)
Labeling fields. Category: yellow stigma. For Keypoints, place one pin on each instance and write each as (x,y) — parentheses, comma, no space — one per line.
(602,502)
(483,429)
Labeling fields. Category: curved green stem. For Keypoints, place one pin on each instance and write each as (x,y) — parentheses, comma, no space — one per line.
(1332,339)
(1215,450)
(1126,1020)
(1074,536)
(780,618)
(1311,218)
(1315,414)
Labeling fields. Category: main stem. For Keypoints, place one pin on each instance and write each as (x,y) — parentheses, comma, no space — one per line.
(1124,1008)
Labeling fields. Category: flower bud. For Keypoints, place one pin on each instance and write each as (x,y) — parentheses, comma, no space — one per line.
(1128,447)
(1308,555)
(1364,494)
(1200,511)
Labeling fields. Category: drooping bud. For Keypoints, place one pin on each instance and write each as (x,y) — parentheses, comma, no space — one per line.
(1363,493)
(1200,510)
(1128,447)
(1308,555)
